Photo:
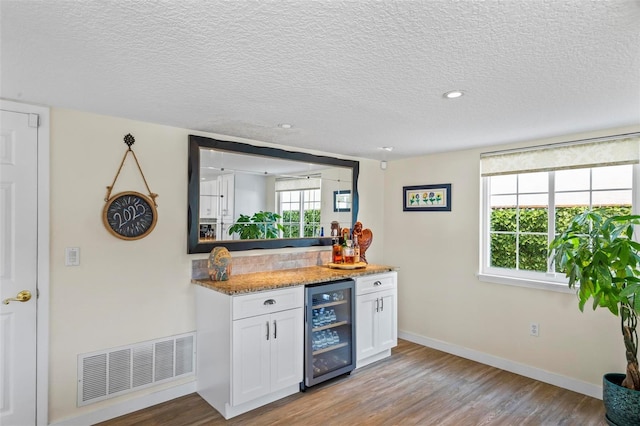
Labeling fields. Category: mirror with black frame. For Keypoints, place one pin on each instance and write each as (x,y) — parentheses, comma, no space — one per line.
(244,197)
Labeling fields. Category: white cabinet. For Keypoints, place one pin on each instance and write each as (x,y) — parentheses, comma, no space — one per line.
(265,333)
(251,358)
(267,354)
(376,317)
(226,209)
(209,199)
(227,197)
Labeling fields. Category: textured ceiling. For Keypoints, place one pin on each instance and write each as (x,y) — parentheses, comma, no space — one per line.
(350,76)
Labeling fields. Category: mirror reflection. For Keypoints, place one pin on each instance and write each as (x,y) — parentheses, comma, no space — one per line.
(256,197)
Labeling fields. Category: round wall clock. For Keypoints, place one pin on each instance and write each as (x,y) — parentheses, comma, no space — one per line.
(130,215)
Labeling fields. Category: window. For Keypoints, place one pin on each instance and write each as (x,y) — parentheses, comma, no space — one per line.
(300,211)
(529,196)
(298,201)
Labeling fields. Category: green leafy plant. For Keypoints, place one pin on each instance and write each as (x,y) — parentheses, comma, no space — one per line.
(291,223)
(600,258)
(532,250)
(262,225)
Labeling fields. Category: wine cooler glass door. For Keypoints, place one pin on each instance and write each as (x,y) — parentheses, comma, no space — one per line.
(330,329)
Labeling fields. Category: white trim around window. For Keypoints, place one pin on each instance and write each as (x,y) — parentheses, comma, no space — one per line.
(557,286)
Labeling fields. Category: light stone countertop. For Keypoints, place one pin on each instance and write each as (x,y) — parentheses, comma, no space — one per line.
(271,280)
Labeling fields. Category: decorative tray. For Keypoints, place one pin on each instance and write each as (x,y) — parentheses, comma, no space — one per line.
(357,265)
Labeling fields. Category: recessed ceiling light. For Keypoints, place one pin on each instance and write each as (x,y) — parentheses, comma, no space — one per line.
(387,148)
(453,94)
(285,126)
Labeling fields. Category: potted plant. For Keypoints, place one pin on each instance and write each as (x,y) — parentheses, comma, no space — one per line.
(601,258)
(260,226)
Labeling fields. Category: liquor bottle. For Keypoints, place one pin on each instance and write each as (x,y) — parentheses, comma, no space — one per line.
(337,248)
(356,249)
(347,252)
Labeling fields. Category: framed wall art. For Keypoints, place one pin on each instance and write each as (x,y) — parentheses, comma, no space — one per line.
(427,198)
(342,201)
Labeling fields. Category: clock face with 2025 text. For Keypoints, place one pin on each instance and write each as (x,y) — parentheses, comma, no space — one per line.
(130,215)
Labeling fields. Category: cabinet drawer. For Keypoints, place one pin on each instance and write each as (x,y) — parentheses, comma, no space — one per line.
(266,302)
(377,282)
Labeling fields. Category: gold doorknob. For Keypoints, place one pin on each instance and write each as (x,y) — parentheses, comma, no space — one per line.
(23,296)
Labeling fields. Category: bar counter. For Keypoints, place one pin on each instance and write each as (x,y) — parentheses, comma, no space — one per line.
(271,280)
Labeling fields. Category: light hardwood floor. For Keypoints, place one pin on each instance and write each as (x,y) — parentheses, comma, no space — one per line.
(415,386)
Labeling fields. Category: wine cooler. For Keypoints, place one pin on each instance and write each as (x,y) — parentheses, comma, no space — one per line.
(329,331)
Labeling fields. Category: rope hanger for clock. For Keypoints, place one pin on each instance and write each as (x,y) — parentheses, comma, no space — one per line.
(130,215)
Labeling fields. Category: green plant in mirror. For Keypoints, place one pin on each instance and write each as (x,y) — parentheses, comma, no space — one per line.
(601,259)
(260,226)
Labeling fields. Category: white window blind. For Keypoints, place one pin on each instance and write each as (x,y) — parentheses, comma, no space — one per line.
(617,150)
(297,184)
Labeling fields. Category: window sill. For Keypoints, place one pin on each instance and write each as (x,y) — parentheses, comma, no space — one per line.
(526,282)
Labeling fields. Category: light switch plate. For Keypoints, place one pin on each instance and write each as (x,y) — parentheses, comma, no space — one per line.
(72,256)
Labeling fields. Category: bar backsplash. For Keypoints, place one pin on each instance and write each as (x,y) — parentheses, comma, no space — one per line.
(265,262)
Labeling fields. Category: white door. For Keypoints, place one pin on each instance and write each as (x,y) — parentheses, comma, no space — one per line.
(18,266)
(387,332)
(250,358)
(366,329)
(287,348)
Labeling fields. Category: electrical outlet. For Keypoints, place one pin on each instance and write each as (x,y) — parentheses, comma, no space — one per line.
(534,329)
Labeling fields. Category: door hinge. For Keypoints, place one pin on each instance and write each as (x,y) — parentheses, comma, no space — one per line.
(34,120)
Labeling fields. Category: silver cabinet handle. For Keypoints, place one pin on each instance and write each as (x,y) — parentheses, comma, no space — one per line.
(377,283)
(377,305)
(381,304)
(267,330)
(275,329)
(269,302)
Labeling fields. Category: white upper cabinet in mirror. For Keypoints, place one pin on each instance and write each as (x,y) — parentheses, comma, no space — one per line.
(244,196)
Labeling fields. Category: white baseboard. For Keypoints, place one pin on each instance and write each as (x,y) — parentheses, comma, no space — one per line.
(168,394)
(507,365)
(129,406)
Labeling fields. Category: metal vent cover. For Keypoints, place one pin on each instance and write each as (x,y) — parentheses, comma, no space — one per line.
(116,371)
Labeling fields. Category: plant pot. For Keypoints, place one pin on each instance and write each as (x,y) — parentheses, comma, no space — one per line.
(622,405)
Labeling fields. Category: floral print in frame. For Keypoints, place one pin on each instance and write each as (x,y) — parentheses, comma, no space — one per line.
(427,198)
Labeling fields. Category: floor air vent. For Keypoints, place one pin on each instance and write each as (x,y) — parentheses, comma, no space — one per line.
(112,372)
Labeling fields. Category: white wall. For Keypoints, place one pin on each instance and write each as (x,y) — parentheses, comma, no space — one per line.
(250,194)
(440,297)
(334,179)
(129,291)
(125,292)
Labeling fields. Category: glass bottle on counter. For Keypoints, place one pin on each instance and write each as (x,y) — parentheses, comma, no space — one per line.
(356,249)
(337,248)
(348,252)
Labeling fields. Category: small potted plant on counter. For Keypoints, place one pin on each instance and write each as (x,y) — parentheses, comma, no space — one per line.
(602,260)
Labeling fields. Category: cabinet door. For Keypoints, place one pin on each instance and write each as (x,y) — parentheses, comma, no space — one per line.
(365,325)
(227,193)
(205,200)
(209,199)
(386,317)
(250,358)
(287,348)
